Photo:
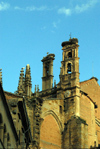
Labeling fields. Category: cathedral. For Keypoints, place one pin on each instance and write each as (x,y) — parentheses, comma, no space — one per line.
(64,115)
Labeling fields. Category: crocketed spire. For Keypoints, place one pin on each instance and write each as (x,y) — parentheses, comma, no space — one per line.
(21,85)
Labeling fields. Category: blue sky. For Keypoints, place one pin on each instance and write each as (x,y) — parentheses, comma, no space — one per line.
(30,28)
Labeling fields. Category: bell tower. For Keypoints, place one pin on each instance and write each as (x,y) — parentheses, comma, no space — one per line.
(75,127)
(47,79)
(69,77)
(70,60)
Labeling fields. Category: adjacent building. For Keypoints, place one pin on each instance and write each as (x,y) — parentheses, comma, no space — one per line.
(14,123)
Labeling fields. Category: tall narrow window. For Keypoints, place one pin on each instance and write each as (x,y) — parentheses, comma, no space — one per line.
(94,143)
(60,109)
(69,68)
(70,55)
(47,69)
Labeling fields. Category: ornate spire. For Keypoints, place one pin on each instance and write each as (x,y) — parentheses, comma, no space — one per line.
(28,84)
(1,76)
(21,85)
(37,88)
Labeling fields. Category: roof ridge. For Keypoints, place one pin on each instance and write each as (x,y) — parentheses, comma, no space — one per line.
(89,79)
(10,93)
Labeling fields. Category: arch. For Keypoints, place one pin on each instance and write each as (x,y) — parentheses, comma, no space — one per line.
(50,112)
(50,133)
(70,55)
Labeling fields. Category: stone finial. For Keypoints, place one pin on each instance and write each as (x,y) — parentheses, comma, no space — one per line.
(27,66)
(47,53)
(1,76)
(37,88)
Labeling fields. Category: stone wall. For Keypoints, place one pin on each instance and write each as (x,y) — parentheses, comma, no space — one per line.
(87,112)
(75,134)
(50,136)
(92,88)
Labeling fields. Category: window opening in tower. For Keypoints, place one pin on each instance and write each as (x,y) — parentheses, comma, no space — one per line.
(47,69)
(69,68)
(70,55)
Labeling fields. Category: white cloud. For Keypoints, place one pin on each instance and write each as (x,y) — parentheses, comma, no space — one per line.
(93,2)
(33,8)
(43,28)
(65,11)
(18,8)
(4,6)
(86,6)
(52,31)
(78,8)
(81,8)
(42,8)
(54,24)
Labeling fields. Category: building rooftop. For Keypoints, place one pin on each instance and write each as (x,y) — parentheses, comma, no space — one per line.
(71,41)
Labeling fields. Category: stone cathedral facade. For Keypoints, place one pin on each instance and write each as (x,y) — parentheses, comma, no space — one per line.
(65,115)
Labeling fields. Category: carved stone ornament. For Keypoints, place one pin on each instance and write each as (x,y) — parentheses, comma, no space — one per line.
(67,93)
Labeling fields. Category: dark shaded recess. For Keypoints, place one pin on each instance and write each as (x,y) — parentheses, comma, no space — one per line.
(70,42)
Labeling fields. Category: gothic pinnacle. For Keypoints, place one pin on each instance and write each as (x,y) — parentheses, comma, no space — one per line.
(21,85)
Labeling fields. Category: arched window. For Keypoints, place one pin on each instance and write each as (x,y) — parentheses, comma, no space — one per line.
(69,68)
(70,55)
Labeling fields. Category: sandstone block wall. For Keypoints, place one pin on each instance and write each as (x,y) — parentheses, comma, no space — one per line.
(75,134)
(92,88)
